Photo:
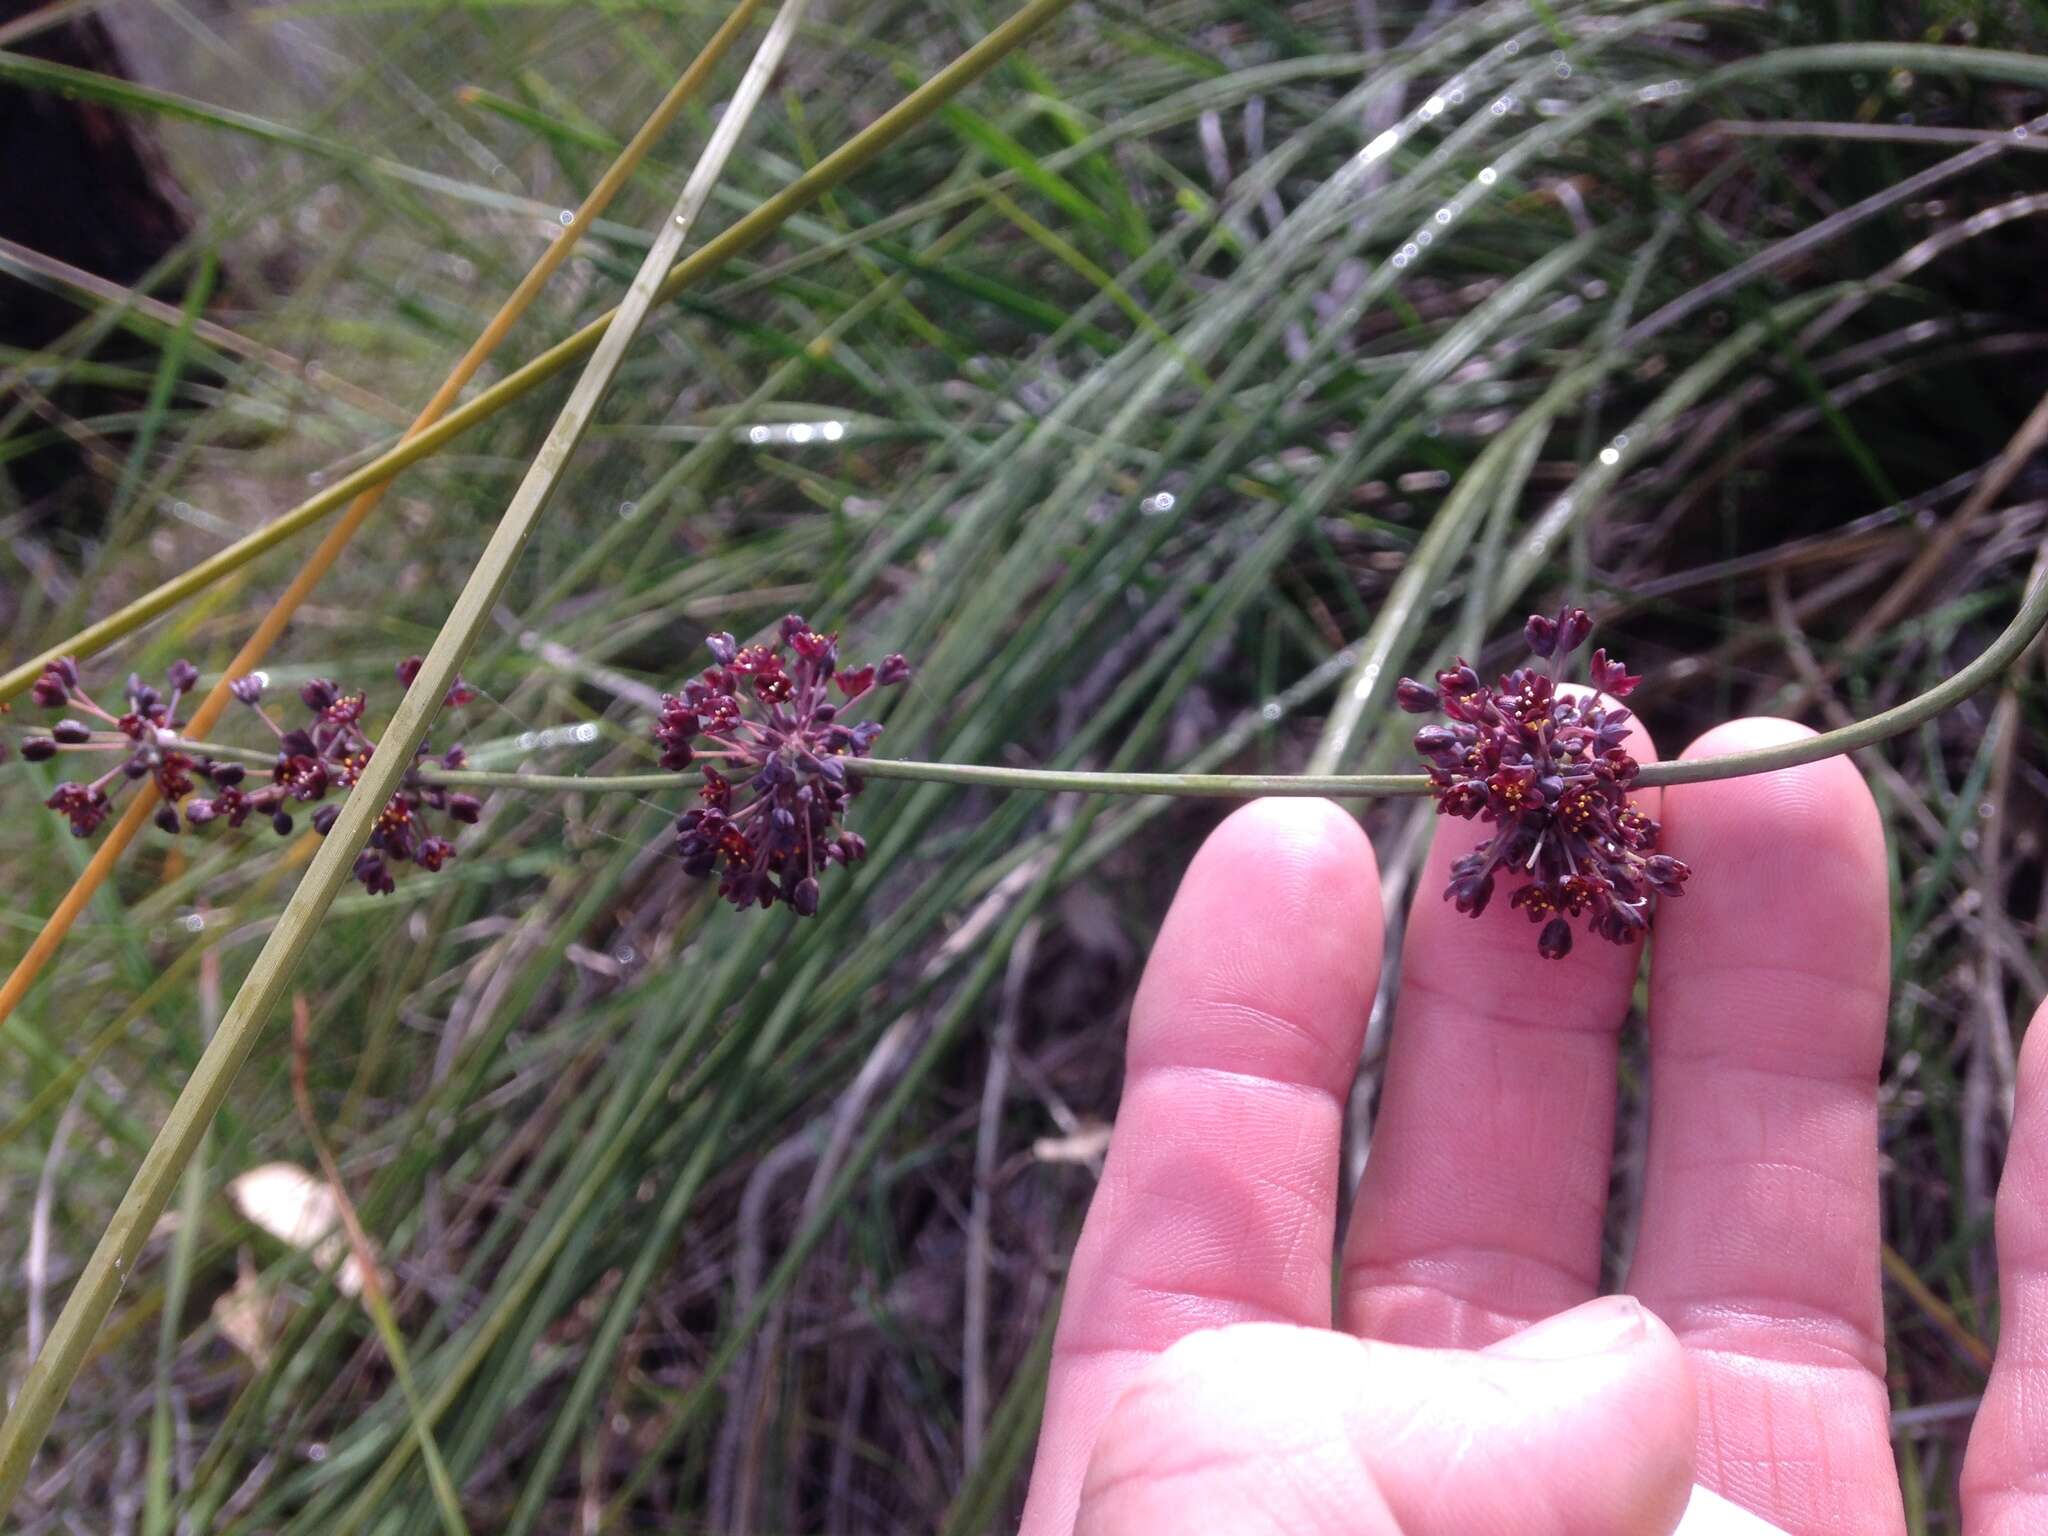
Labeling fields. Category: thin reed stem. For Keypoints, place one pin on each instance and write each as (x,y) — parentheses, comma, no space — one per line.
(56,1367)
(1986,669)
(143,806)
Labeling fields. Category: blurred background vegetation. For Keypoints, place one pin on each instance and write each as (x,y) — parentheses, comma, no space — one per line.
(1210,363)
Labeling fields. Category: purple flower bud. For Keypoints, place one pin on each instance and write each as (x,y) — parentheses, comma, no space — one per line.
(723,648)
(1611,677)
(324,818)
(1573,626)
(803,899)
(376,878)
(1416,698)
(408,669)
(1470,893)
(182,675)
(199,812)
(465,808)
(1555,942)
(1540,634)
(227,775)
(319,693)
(71,732)
(247,689)
(166,819)
(281,823)
(893,670)
(38,749)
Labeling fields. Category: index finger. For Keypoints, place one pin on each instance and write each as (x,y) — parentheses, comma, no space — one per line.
(1218,1202)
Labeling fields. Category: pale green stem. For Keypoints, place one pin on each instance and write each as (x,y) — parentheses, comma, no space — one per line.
(49,1379)
(1986,669)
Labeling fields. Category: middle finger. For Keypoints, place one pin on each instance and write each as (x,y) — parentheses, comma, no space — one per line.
(1486,1188)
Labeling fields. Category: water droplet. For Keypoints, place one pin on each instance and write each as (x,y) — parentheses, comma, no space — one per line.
(1512,47)
(586,732)
(1488,177)
(800,433)
(1381,145)
(567,217)
(2020,132)
(1609,457)
(1400,259)
(1431,107)
(1158,504)
(1443,215)
(757,435)
(624,954)
(528,741)
(1423,237)
(1564,71)
(1271,710)
(832,431)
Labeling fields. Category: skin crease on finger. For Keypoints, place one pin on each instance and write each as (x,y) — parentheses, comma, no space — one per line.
(1218,1200)
(2005,1474)
(1470,1225)
(1261,1429)
(1759,1230)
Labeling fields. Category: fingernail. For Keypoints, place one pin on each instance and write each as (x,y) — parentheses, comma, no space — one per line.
(1612,1322)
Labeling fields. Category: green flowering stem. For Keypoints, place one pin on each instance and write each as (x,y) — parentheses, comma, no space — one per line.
(1987,668)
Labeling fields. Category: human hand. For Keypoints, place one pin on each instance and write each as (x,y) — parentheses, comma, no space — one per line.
(1469,1381)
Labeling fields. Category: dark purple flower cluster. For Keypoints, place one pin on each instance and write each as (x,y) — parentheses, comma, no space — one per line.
(327,755)
(1548,768)
(762,724)
(140,741)
(323,757)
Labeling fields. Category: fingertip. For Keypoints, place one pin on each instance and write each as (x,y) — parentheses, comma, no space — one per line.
(2032,1089)
(1789,869)
(2022,1214)
(1298,859)
(1267,962)
(1823,806)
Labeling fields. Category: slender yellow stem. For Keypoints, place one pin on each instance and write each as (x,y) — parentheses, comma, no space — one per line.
(322,559)
(50,1377)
